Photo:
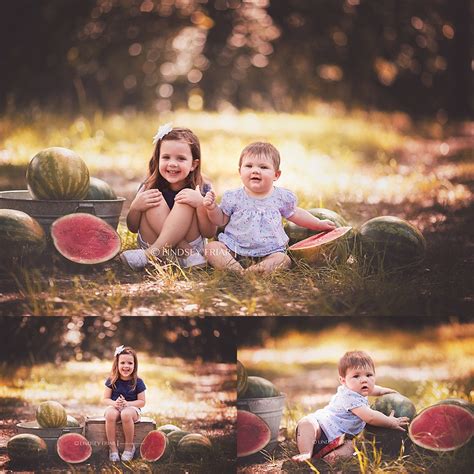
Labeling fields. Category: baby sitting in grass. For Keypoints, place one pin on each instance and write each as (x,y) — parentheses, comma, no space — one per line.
(347,413)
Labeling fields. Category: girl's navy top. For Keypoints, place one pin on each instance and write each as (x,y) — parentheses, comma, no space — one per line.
(124,388)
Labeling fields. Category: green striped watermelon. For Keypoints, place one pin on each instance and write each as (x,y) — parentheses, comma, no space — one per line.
(297,233)
(20,234)
(176,436)
(258,387)
(51,414)
(396,402)
(72,422)
(391,242)
(194,446)
(58,174)
(99,190)
(167,429)
(242,381)
(26,447)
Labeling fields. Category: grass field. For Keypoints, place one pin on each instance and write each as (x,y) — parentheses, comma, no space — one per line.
(359,164)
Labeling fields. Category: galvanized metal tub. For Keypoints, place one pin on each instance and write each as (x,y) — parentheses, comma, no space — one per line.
(46,212)
(50,435)
(269,410)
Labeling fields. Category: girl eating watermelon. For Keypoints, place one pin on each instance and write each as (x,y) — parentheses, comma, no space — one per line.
(125,396)
(348,411)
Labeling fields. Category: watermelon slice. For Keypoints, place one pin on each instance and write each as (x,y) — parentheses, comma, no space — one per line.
(84,238)
(321,247)
(253,434)
(154,446)
(442,427)
(73,448)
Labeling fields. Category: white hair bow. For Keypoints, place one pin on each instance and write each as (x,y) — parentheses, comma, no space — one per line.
(162,131)
(119,350)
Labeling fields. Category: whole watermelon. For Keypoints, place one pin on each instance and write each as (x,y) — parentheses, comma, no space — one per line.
(390,441)
(297,233)
(258,387)
(72,422)
(99,190)
(20,234)
(57,174)
(194,446)
(51,414)
(391,242)
(242,381)
(26,447)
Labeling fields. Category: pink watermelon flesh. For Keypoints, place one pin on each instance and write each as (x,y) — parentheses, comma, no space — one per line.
(322,238)
(84,238)
(442,427)
(253,434)
(73,448)
(153,446)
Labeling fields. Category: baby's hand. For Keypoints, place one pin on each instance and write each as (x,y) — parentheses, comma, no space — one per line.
(192,197)
(209,200)
(398,423)
(146,200)
(326,224)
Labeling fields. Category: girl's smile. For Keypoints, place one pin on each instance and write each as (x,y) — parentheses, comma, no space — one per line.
(176,162)
(126,366)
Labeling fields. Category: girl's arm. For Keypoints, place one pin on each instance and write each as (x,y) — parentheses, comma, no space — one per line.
(214,212)
(379,390)
(107,400)
(374,417)
(304,218)
(139,402)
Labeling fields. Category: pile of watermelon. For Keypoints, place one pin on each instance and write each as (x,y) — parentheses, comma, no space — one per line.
(60,174)
(71,447)
(253,433)
(444,426)
(385,242)
(170,440)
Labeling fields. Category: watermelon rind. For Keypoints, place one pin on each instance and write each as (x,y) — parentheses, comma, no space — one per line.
(253,433)
(297,233)
(444,427)
(154,446)
(391,242)
(57,173)
(84,238)
(194,446)
(72,422)
(73,448)
(396,402)
(99,190)
(259,387)
(26,447)
(168,428)
(174,437)
(20,234)
(242,379)
(51,414)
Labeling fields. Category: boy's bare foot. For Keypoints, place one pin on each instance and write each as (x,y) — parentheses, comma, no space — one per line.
(301,457)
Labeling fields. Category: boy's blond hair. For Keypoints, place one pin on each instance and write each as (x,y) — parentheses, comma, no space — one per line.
(264,150)
(354,359)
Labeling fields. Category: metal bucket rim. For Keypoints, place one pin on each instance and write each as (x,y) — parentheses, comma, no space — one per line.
(11,198)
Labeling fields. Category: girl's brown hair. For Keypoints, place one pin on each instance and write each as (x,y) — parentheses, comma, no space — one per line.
(155,180)
(354,359)
(114,373)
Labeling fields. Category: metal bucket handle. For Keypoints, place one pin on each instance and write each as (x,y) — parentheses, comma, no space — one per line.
(86,207)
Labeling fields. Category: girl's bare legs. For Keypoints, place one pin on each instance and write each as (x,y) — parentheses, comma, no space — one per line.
(218,255)
(275,261)
(111,417)
(128,416)
(167,228)
(308,432)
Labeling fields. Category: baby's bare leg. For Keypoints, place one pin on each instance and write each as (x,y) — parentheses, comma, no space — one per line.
(275,261)
(308,432)
(111,417)
(344,451)
(218,255)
